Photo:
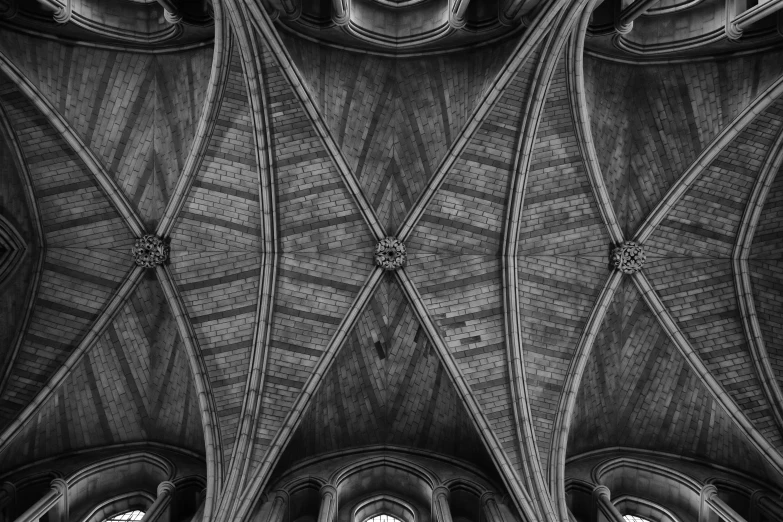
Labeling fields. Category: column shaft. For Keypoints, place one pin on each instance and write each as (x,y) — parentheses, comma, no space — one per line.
(604,506)
(440,504)
(328,504)
(277,511)
(492,512)
(158,511)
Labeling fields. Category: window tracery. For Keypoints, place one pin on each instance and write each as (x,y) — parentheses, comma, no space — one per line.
(383,518)
(127,516)
(634,518)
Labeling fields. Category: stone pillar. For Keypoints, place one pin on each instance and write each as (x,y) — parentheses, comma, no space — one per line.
(603,507)
(457,10)
(279,504)
(340,15)
(491,508)
(171,12)
(624,22)
(57,494)
(712,506)
(328,504)
(159,510)
(440,504)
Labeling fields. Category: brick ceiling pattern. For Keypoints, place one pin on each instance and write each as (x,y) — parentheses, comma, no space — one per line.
(420,359)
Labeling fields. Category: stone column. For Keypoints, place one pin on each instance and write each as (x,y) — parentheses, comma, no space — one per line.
(340,14)
(171,12)
(491,508)
(624,22)
(159,510)
(603,506)
(712,505)
(440,504)
(328,504)
(56,494)
(279,504)
(457,18)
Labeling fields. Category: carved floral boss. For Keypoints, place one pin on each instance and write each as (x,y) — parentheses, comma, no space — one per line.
(390,253)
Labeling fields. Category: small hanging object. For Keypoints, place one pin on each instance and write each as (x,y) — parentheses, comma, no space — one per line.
(629,257)
(390,253)
(150,251)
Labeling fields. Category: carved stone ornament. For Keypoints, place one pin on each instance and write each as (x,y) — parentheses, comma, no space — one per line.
(150,251)
(629,257)
(390,253)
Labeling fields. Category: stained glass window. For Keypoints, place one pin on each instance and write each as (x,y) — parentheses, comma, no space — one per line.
(128,516)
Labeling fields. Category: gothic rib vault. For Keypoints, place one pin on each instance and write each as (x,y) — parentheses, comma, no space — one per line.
(273,165)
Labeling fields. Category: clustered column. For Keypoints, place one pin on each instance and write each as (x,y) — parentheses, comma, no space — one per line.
(279,504)
(440,504)
(328,504)
(158,511)
(604,507)
(491,508)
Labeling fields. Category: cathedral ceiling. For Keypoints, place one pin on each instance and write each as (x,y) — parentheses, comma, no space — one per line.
(272,165)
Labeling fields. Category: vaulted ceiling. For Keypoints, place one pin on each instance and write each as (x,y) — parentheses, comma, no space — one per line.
(273,164)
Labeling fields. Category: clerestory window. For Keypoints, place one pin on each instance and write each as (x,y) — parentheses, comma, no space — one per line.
(383,518)
(127,516)
(634,518)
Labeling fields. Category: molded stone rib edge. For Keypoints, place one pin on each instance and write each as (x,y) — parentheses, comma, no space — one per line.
(545,18)
(104,180)
(221,60)
(652,299)
(584,133)
(681,186)
(276,47)
(206,401)
(523,417)
(105,317)
(513,482)
(39,237)
(251,405)
(742,281)
(260,477)
(567,403)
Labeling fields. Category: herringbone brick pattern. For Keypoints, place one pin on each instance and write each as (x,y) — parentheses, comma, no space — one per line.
(650,123)
(80,270)
(466,215)
(136,112)
(15,289)
(766,240)
(302,327)
(700,295)
(639,392)
(560,215)
(315,210)
(463,294)
(395,119)
(705,221)
(133,385)
(767,283)
(387,386)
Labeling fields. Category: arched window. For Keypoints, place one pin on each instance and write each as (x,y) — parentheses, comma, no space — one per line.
(127,516)
(634,518)
(383,518)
